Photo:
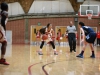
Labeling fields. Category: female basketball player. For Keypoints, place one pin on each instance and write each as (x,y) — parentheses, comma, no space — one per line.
(89,37)
(47,32)
(3,41)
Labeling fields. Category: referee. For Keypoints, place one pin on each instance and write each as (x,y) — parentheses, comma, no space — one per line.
(71,29)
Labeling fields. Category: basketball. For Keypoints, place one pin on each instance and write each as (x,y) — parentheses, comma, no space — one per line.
(45,37)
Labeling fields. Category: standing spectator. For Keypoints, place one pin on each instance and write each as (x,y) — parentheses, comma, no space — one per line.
(58,36)
(98,38)
(71,29)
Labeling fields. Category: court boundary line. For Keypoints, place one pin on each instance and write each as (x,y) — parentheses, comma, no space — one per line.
(29,68)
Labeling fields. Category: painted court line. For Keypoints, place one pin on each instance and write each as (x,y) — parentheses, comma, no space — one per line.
(29,68)
(44,69)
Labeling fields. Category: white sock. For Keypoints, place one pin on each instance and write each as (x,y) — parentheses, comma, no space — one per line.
(40,49)
(55,50)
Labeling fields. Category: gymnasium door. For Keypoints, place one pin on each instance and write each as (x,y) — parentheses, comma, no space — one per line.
(34,29)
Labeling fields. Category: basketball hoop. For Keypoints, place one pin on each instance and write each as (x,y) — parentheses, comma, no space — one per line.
(89,16)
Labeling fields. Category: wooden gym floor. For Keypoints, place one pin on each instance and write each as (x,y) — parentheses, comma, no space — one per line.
(24,60)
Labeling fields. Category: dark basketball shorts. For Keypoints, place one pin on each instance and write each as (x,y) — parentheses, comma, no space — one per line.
(90,38)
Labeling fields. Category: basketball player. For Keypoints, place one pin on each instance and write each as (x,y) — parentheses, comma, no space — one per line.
(3,40)
(89,37)
(47,32)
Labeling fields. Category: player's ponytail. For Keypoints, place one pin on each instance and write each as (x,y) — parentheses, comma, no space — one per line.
(81,23)
(48,25)
(42,30)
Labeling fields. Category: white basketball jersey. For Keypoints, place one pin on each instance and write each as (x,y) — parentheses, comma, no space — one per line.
(2,34)
(2,31)
(49,35)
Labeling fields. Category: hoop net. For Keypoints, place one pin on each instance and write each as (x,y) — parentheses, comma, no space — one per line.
(89,16)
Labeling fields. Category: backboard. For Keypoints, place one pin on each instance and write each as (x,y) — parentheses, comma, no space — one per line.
(89,9)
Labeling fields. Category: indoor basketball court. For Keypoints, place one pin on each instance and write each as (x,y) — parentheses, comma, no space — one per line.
(23,37)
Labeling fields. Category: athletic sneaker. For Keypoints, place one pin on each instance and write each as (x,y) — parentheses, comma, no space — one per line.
(80,56)
(55,53)
(74,51)
(3,61)
(92,56)
(40,53)
(70,51)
